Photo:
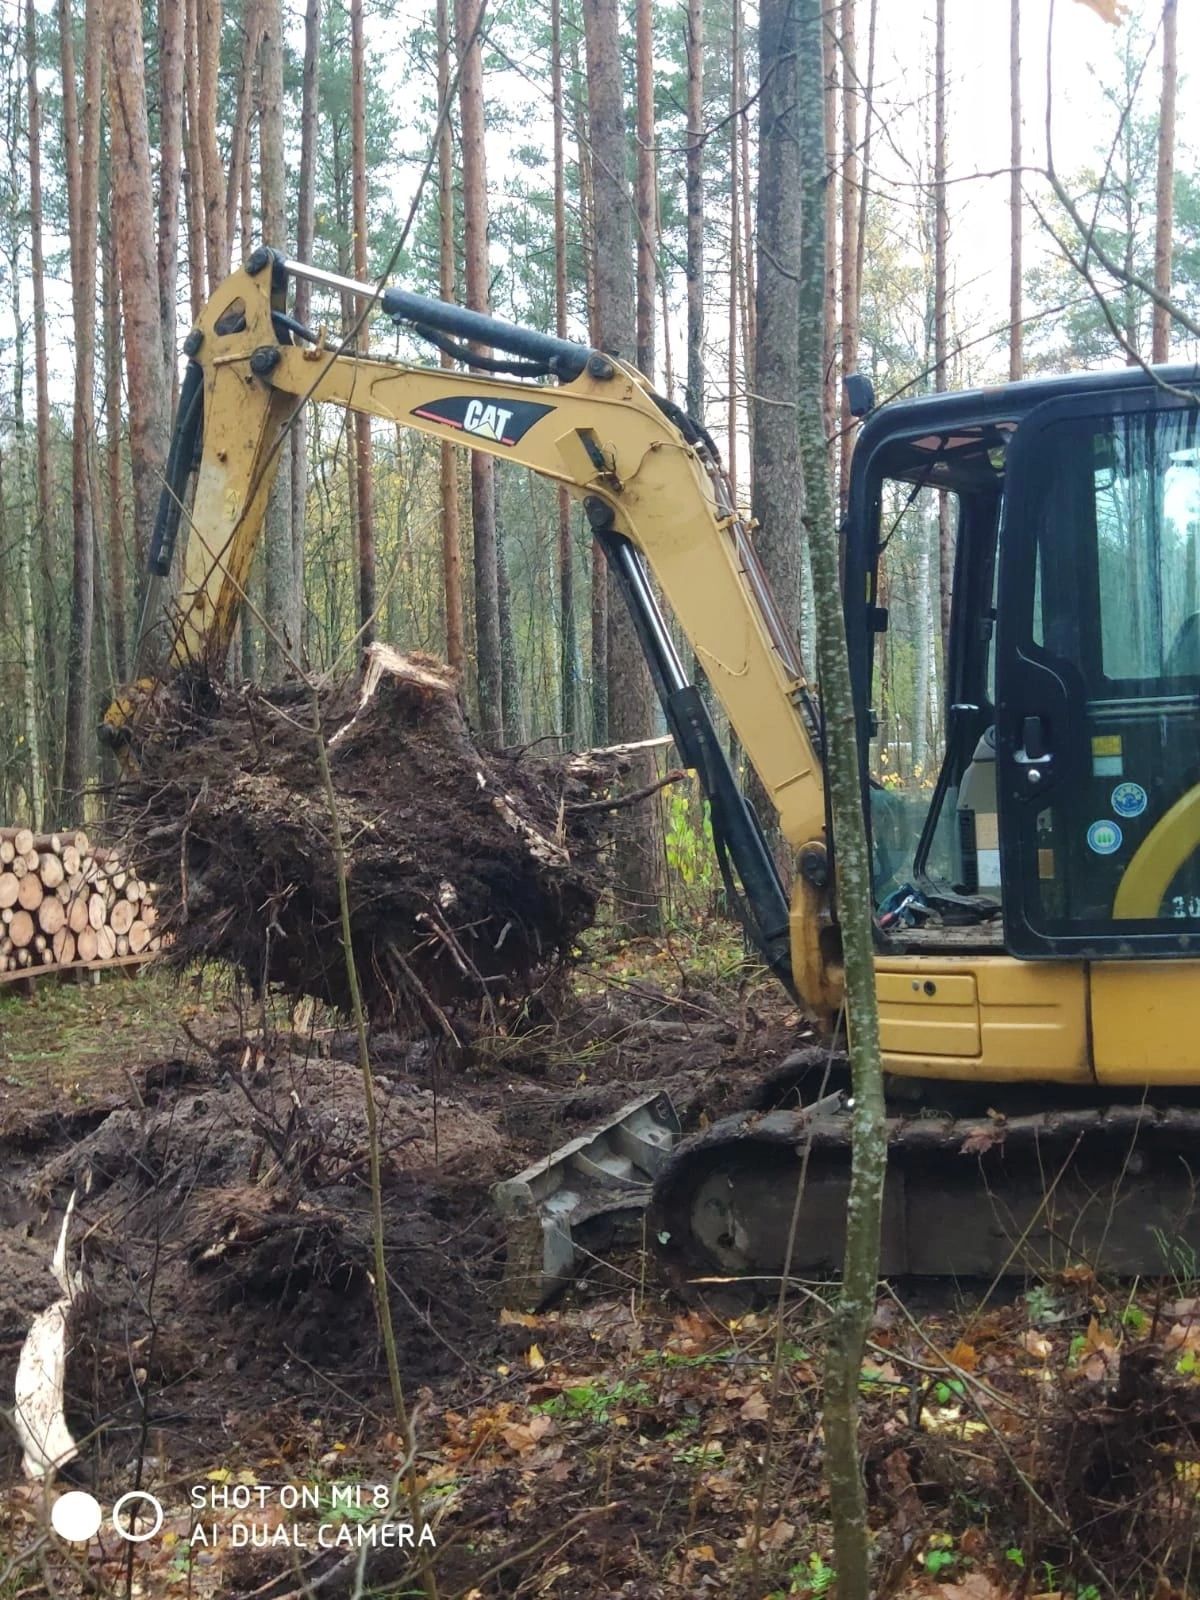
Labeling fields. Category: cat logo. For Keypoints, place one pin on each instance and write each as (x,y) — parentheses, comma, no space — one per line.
(487,421)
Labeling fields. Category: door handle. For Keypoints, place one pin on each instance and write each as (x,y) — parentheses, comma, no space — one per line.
(1034,756)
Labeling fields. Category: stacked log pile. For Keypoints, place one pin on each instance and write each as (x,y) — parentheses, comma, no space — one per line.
(66,902)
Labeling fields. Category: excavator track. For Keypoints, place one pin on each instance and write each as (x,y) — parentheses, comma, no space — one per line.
(1113,1186)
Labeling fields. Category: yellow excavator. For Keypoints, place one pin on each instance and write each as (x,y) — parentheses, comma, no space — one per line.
(1035,817)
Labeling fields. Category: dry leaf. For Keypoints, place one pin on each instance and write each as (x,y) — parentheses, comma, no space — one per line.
(755,1408)
(963,1357)
(975,1586)
(518,1319)
(773,1539)
(1035,1343)
(980,1140)
(534,1359)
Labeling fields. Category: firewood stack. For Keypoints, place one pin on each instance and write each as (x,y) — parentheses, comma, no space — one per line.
(65,902)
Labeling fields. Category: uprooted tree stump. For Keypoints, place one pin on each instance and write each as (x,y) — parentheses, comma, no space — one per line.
(470,874)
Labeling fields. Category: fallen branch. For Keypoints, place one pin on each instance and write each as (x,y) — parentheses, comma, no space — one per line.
(633,798)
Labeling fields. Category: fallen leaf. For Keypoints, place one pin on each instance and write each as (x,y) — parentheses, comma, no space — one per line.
(980,1140)
(1078,1275)
(963,1357)
(756,1407)
(534,1359)
(975,1586)
(518,1319)
(1181,1310)
(773,1539)
(1035,1343)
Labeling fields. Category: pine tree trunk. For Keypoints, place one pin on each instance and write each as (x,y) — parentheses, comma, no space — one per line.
(849,261)
(646,208)
(864,180)
(281,640)
(568,632)
(735,240)
(239,135)
(170,164)
(694,183)
(208,47)
(630,714)
(488,662)
(456,643)
(1165,187)
(193,177)
(111,306)
(305,232)
(37,271)
(86,162)
(34,784)
(362,424)
(856,1301)
(776,478)
(1016,358)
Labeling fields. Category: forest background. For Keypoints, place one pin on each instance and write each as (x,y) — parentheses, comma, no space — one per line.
(146,148)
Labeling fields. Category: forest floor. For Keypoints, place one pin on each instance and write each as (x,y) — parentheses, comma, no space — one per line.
(1042,1439)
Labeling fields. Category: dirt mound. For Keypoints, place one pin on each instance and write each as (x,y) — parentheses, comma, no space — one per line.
(469,874)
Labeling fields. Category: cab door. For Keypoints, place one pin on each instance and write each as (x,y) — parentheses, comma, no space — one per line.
(1098,682)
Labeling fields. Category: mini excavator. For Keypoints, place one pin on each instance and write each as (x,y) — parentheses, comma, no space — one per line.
(1033,800)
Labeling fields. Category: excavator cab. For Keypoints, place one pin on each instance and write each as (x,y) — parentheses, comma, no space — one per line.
(1033,774)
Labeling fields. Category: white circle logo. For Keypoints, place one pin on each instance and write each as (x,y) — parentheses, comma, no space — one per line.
(128,1499)
(76,1516)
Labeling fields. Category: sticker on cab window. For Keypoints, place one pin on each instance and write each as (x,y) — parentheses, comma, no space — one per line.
(1107,757)
(1104,838)
(1129,799)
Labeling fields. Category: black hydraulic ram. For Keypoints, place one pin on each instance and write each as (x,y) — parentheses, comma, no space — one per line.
(741,846)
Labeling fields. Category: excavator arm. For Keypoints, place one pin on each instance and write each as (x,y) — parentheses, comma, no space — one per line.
(655,497)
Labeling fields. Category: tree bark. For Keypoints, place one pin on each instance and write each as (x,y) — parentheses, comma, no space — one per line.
(1016,356)
(111,305)
(829,308)
(1164,219)
(456,640)
(941,239)
(86,161)
(170,165)
(362,423)
(694,184)
(208,47)
(735,231)
(856,1301)
(568,631)
(776,478)
(282,600)
(849,261)
(305,232)
(630,713)
(646,208)
(193,177)
(488,664)
(37,271)
(239,136)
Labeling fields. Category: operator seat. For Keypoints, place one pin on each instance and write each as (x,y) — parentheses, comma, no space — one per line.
(978,834)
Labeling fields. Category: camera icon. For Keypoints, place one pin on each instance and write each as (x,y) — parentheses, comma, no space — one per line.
(77,1516)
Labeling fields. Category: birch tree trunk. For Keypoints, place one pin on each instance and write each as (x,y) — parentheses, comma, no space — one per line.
(362,423)
(849,261)
(85,189)
(282,599)
(568,630)
(829,63)
(456,643)
(1164,217)
(777,480)
(630,713)
(489,669)
(847,1498)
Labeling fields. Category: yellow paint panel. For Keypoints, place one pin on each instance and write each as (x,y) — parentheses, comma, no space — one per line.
(1144,1017)
(1030,1019)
